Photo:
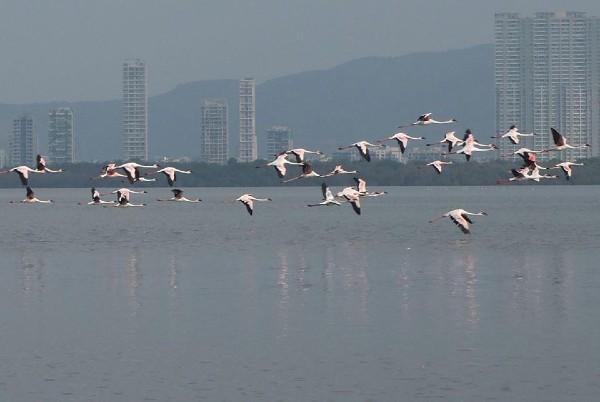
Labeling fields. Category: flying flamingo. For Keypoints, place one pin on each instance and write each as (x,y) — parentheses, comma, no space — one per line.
(469,138)
(460,217)
(529,156)
(566,168)
(339,170)
(110,170)
(170,173)
(299,153)
(248,201)
(402,140)
(352,196)
(361,187)
(536,176)
(328,198)
(437,165)
(307,171)
(30,198)
(96,198)
(468,150)
(520,174)
(451,139)
(132,170)
(41,165)
(560,142)
(363,148)
(469,146)
(23,172)
(178,197)
(279,164)
(125,203)
(513,135)
(527,173)
(425,120)
(123,195)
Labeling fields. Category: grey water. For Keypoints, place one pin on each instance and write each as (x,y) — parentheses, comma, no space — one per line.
(192,302)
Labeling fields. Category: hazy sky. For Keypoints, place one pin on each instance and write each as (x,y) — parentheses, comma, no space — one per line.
(73,49)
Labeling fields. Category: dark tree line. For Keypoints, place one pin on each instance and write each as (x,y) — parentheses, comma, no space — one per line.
(381,173)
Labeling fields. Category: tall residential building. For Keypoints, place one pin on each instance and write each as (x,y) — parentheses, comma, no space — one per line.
(248,145)
(60,135)
(546,74)
(22,145)
(135,110)
(279,138)
(214,134)
(512,77)
(3,158)
(594,29)
(561,73)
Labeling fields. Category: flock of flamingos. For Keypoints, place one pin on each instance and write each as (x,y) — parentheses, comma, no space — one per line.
(530,170)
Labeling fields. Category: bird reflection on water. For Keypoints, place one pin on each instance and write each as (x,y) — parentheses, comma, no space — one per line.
(32,272)
(133,280)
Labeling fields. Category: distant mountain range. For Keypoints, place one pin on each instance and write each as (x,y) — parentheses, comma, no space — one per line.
(363,98)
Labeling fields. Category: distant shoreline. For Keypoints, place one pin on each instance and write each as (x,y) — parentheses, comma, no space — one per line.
(377,173)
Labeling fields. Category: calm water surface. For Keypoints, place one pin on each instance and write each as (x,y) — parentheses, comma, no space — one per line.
(184,302)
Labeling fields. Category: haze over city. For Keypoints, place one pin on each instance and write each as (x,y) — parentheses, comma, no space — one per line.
(72,50)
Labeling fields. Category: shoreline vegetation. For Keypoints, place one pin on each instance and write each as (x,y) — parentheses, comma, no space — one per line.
(379,173)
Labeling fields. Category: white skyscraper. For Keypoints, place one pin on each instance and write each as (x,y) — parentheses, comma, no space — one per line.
(214,133)
(3,158)
(248,145)
(279,138)
(512,77)
(135,110)
(547,71)
(22,144)
(561,79)
(594,30)
(60,135)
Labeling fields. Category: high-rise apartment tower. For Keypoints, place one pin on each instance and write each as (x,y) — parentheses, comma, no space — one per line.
(60,135)
(547,70)
(135,110)
(248,145)
(22,144)
(279,138)
(213,139)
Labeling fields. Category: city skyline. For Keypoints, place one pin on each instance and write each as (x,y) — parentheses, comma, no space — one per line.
(288,117)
